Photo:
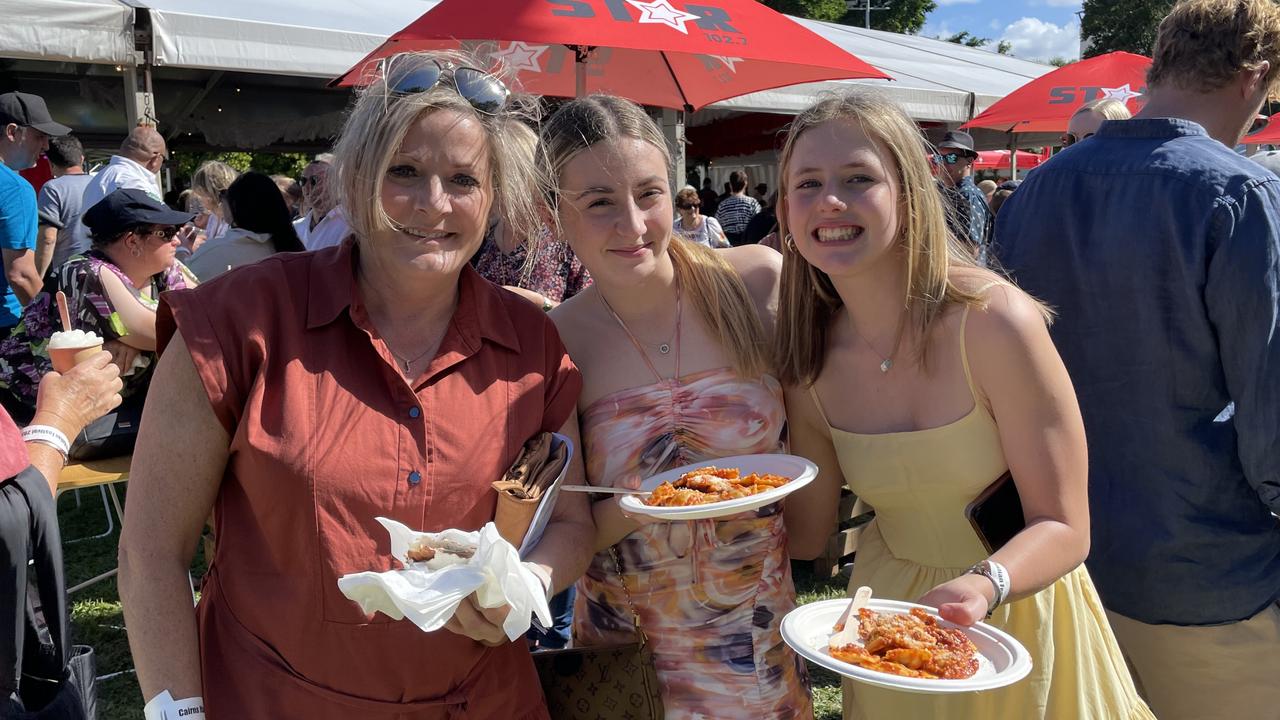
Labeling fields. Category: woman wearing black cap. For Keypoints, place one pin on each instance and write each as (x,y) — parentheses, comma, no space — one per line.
(112,290)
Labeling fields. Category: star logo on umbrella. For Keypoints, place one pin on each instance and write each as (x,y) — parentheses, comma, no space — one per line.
(1123,93)
(729,62)
(521,57)
(661,12)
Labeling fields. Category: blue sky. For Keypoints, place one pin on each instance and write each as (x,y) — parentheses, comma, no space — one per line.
(1038,29)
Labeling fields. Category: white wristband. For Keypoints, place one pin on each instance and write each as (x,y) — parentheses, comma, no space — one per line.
(164,707)
(543,577)
(47,435)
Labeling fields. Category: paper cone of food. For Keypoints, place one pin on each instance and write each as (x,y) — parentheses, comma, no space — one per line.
(68,348)
(523,488)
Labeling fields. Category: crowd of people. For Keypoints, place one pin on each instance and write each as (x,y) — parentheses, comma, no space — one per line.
(460,274)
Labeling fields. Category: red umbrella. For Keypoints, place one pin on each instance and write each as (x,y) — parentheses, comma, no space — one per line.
(656,52)
(999,159)
(1269,135)
(1047,103)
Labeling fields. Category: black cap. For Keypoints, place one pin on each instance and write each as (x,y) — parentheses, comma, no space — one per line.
(958,140)
(126,209)
(30,111)
(1009,185)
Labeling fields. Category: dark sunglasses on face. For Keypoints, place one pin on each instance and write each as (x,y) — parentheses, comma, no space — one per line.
(166,232)
(482,91)
(692,206)
(309,181)
(1069,139)
(950,158)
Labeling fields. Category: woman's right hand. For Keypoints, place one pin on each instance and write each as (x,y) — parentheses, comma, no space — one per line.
(83,394)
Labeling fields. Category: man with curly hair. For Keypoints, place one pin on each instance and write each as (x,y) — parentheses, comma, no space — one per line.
(1160,247)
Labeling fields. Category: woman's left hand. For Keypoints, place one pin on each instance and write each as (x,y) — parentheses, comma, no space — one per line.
(963,601)
(484,625)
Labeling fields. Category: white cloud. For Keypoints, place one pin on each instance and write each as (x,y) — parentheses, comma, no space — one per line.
(1035,39)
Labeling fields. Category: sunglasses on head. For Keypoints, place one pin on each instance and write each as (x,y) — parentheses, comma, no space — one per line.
(1069,139)
(1259,124)
(480,89)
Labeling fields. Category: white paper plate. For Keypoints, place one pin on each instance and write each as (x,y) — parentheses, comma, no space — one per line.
(800,471)
(1002,660)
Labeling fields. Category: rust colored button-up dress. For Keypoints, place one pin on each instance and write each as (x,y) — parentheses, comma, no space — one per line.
(325,436)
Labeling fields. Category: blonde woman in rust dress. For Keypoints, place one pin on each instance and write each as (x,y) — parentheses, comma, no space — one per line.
(670,343)
(919,378)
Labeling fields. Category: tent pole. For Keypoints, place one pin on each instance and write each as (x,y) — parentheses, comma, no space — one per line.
(580,55)
(673,131)
(1013,157)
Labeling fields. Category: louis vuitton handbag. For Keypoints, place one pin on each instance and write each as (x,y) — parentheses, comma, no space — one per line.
(615,681)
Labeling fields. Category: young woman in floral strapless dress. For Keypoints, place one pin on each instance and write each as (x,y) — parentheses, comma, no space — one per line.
(671,341)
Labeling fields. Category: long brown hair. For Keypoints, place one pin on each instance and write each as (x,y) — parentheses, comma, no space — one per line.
(808,299)
(717,291)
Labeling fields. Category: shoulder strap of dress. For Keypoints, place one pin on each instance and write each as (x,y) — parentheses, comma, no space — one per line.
(817,403)
(964,350)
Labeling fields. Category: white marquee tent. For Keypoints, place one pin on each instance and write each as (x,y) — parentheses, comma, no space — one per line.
(279,52)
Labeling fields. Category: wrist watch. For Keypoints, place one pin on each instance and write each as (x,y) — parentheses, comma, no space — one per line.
(999,577)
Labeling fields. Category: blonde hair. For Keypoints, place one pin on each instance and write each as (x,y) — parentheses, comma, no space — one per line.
(210,182)
(379,120)
(1202,44)
(688,195)
(717,291)
(1105,108)
(808,299)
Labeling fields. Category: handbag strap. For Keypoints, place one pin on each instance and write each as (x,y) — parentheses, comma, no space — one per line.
(635,614)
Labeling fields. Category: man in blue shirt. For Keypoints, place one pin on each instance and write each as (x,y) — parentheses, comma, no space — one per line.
(1160,249)
(968,215)
(25,129)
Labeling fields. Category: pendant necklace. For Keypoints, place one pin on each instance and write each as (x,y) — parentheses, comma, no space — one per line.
(406,362)
(886,363)
(664,348)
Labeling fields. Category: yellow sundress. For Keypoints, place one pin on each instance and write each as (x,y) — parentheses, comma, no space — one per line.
(919,484)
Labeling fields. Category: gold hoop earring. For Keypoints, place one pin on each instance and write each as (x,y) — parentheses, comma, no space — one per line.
(134,251)
(790,242)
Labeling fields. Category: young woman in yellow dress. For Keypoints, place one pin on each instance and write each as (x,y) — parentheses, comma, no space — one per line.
(919,378)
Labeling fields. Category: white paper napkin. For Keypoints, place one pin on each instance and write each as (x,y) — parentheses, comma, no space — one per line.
(428,598)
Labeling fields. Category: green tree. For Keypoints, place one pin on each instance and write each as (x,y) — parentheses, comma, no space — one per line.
(1128,25)
(964,37)
(900,16)
(291,164)
(828,10)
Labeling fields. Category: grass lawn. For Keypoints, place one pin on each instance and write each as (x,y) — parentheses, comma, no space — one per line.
(99,622)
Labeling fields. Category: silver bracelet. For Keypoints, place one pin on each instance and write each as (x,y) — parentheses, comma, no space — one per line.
(47,435)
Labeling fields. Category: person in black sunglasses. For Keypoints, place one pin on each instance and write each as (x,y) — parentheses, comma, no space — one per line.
(316,392)
(1086,120)
(968,215)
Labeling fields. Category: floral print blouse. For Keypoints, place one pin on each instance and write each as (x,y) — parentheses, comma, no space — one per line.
(24,357)
(555,273)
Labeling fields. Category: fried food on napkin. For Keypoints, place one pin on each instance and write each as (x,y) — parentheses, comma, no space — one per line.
(521,489)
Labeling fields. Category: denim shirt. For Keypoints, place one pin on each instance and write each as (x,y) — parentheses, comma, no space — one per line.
(1160,250)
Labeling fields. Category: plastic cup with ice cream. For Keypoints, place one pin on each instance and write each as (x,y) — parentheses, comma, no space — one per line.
(68,348)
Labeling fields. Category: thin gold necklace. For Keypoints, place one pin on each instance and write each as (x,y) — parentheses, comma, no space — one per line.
(664,348)
(886,363)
